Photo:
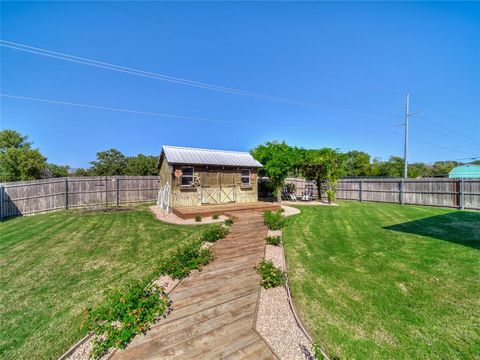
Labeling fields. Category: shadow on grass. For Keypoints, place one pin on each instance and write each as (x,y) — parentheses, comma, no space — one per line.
(458,227)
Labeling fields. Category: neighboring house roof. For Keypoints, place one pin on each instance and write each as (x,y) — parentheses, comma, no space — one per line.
(192,156)
(465,171)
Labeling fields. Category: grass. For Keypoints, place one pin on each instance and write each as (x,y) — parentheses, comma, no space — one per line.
(53,265)
(384,281)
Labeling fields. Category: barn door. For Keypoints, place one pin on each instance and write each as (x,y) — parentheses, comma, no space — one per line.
(211,187)
(227,187)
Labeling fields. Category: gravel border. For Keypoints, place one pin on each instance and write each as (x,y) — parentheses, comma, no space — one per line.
(171,218)
(276,320)
(290,211)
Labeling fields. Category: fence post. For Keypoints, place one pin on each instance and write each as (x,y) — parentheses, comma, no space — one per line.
(117,197)
(1,202)
(360,197)
(400,192)
(66,193)
(106,192)
(462,194)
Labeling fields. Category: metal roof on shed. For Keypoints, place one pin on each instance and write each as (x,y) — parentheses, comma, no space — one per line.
(465,171)
(191,156)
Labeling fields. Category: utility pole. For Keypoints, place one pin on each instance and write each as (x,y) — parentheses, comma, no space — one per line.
(405,149)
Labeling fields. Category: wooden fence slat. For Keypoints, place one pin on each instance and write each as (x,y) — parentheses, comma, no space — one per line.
(38,196)
(445,192)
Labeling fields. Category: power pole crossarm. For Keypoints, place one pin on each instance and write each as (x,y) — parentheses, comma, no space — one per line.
(405,149)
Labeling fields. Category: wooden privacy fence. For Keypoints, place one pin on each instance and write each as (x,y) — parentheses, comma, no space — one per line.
(30,197)
(443,192)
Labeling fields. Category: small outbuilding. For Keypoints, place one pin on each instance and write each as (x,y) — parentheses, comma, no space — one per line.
(468,171)
(195,177)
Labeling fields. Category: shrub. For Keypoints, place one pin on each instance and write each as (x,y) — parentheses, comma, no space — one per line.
(124,313)
(184,259)
(198,218)
(229,221)
(274,220)
(215,216)
(271,275)
(214,233)
(273,240)
(330,195)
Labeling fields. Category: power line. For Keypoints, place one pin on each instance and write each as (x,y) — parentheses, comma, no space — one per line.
(446,135)
(448,129)
(148,74)
(139,72)
(255,52)
(98,107)
(433,145)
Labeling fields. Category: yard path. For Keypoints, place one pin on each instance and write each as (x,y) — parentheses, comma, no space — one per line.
(213,310)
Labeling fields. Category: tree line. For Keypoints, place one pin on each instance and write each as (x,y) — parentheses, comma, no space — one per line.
(20,161)
(326,166)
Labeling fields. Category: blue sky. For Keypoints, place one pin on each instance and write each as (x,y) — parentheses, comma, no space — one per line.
(344,68)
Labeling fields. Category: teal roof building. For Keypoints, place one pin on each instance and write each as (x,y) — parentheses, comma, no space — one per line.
(468,171)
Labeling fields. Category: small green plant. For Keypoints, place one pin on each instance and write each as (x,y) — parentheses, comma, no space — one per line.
(271,275)
(229,221)
(274,219)
(214,233)
(330,195)
(317,352)
(198,218)
(124,313)
(215,216)
(184,259)
(273,240)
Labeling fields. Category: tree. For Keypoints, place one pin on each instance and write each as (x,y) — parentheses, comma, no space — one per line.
(109,163)
(141,165)
(54,170)
(13,139)
(323,166)
(442,168)
(418,170)
(18,161)
(357,163)
(279,160)
(392,168)
(81,172)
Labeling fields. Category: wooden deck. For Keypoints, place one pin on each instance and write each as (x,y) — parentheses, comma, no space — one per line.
(209,210)
(213,310)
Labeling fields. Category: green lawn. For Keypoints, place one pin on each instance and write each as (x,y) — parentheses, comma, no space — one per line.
(381,281)
(52,265)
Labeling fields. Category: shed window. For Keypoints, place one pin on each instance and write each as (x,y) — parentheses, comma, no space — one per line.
(245,176)
(187,176)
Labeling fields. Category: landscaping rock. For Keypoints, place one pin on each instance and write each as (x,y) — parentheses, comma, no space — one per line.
(275,320)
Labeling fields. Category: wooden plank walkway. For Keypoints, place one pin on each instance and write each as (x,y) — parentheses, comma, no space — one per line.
(189,212)
(213,310)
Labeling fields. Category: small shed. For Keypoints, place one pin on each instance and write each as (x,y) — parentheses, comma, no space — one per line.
(468,171)
(194,177)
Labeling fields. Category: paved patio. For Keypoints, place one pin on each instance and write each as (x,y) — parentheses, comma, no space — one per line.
(214,310)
